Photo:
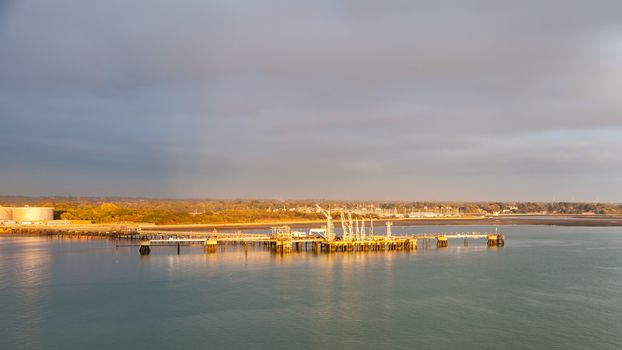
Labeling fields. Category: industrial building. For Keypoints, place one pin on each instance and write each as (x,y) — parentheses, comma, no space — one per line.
(26,214)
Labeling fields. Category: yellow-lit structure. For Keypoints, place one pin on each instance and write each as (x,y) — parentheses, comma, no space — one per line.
(27,214)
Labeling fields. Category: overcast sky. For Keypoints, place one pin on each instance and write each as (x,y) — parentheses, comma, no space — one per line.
(416,100)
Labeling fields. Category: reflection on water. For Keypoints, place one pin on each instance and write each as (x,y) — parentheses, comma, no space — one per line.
(548,287)
(23,276)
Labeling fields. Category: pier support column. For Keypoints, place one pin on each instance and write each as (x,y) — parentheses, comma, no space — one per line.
(492,240)
(210,245)
(441,242)
(145,248)
(412,244)
(500,240)
(283,247)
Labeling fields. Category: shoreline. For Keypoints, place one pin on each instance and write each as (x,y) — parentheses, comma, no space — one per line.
(115,230)
(551,220)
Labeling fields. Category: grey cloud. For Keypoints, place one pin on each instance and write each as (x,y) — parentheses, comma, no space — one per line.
(352,99)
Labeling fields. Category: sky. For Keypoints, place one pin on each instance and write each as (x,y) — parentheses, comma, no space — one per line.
(404,100)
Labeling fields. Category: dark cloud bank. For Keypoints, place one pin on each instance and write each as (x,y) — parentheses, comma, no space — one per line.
(465,100)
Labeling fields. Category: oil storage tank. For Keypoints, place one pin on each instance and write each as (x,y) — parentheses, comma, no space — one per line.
(32,214)
(5,213)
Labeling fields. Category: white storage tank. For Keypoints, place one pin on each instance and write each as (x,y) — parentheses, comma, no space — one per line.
(5,213)
(32,214)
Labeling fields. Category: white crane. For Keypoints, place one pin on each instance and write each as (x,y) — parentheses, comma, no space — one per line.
(353,230)
(350,235)
(346,225)
(389,224)
(329,234)
(362,236)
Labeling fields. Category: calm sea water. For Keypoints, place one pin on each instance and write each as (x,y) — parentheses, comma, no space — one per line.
(549,287)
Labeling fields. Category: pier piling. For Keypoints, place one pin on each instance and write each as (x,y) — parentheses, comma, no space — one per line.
(211,246)
(144,247)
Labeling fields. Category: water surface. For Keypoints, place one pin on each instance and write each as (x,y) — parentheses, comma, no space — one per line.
(548,287)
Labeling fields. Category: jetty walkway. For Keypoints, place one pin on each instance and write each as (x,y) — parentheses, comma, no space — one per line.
(287,243)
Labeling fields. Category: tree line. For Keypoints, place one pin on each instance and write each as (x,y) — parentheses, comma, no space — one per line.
(218,211)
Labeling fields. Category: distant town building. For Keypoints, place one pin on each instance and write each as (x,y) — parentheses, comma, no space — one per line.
(422,214)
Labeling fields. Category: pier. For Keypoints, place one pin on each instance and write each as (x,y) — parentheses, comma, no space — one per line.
(353,238)
(281,241)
